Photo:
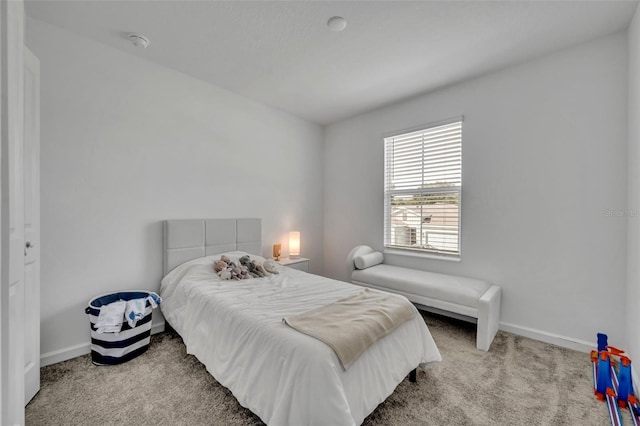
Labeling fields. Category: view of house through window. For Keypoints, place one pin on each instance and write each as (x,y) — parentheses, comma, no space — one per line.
(423,177)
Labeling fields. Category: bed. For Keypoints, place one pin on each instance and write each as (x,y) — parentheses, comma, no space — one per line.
(235,329)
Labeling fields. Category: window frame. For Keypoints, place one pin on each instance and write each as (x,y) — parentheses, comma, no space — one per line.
(423,252)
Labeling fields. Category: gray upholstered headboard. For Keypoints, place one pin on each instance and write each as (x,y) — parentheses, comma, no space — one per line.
(192,238)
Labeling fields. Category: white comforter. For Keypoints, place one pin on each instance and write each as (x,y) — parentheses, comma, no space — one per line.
(285,377)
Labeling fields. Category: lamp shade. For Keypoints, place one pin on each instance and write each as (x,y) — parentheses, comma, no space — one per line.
(294,244)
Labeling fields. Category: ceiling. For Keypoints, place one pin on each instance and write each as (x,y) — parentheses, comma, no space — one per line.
(281,53)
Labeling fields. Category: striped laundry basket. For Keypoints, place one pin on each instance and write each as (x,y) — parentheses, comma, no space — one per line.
(116,348)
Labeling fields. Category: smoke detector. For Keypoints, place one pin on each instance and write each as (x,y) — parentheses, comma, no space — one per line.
(337,23)
(139,40)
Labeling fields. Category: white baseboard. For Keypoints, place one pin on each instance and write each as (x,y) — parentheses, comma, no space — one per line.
(554,339)
(563,341)
(64,354)
(532,333)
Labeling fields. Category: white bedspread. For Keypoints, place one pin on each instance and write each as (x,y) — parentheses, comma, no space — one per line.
(285,377)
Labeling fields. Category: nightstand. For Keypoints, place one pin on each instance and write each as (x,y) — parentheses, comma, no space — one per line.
(299,263)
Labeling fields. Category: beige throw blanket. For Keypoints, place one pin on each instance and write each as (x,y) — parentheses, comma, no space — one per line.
(350,325)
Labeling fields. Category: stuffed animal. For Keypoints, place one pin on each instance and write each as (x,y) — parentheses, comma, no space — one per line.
(219,265)
(260,268)
(225,274)
(234,270)
(251,266)
(247,268)
(227,270)
(243,273)
(269,265)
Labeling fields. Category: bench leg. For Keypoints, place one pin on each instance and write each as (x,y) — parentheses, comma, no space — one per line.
(413,376)
(488,317)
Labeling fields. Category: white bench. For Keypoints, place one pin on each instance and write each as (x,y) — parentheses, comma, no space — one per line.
(466,297)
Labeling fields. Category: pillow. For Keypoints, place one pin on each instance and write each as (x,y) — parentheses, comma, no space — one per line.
(368,260)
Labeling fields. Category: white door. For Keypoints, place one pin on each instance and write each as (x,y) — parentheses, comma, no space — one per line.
(12,218)
(31,225)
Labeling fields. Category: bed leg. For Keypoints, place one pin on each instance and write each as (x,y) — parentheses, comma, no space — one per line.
(413,376)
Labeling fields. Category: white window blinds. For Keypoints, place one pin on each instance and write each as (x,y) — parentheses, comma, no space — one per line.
(422,187)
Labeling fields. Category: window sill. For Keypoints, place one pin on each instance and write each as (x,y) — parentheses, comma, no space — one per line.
(421,254)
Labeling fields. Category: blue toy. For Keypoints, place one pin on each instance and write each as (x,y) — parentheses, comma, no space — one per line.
(614,387)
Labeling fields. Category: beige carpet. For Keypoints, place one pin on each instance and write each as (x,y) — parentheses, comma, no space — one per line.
(518,382)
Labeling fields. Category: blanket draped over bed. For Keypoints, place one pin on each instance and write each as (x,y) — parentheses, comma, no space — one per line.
(350,325)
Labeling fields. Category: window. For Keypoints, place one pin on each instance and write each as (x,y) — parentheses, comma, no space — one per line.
(422,188)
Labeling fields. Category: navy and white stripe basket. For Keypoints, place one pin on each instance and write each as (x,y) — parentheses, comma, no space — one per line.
(116,348)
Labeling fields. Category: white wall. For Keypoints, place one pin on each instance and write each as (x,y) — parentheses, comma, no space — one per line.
(633,220)
(126,144)
(544,158)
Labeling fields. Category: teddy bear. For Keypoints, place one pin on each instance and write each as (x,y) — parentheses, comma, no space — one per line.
(269,265)
(237,271)
(251,266)
(219,265)
(243,272)
(222,269)
(225,274)
(227,270)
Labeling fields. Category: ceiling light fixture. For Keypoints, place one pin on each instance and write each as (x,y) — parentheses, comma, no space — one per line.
(139,40)
(337,23)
